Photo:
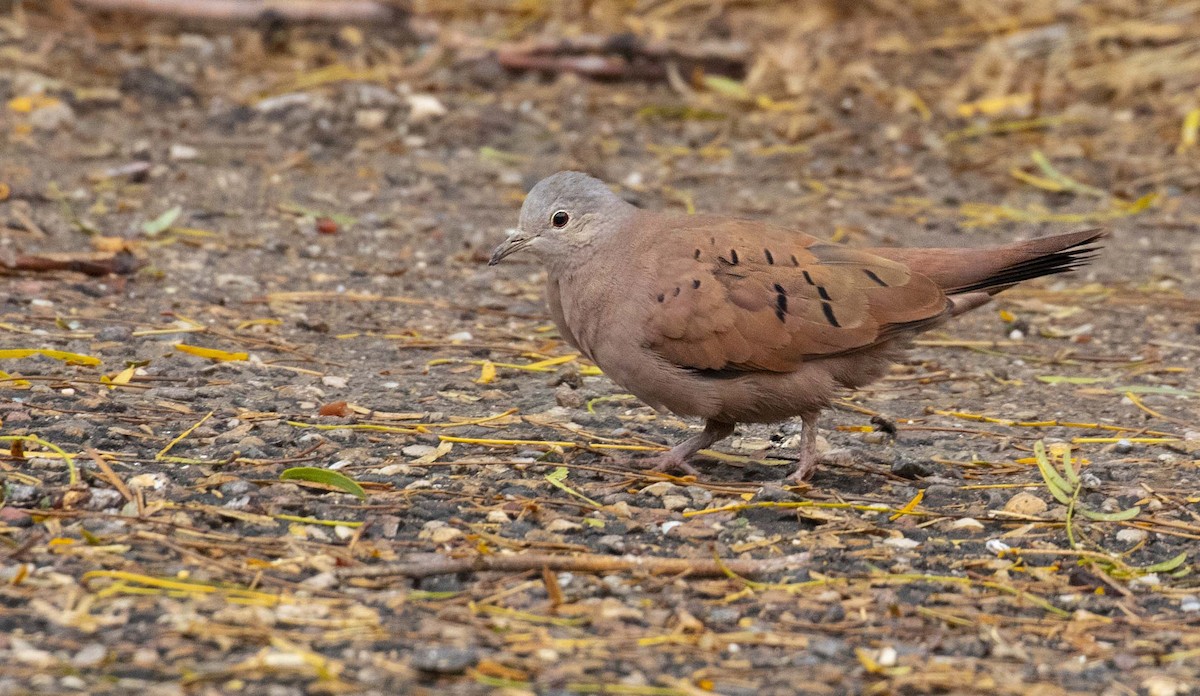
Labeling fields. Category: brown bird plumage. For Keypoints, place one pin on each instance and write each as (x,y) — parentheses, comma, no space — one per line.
(740,321)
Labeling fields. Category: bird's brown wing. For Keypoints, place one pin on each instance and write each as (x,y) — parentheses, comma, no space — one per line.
(740,295)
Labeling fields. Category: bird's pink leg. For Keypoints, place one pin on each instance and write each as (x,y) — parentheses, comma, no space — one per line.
(806,465)
(676,459)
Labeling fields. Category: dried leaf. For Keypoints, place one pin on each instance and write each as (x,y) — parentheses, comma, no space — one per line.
(71,358)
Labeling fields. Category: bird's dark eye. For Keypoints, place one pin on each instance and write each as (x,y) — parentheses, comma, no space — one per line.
(560,219)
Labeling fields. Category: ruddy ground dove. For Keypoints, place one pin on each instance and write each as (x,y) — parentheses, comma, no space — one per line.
(740,321)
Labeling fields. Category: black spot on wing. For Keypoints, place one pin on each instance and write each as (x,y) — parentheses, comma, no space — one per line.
(695,283)
(770,258)
(733,256)
(872,276)
(661,297)
(823,293)
(829,315)
(676,293)
(807,278)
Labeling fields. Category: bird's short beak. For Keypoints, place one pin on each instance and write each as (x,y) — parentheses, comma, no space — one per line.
(517,240)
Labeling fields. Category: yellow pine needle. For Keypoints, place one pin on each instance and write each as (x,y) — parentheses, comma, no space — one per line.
(1035,180)
(354,426)
(738,507)
(909,506)
(315,520)
(13,381)
(1110,440)
(1137,401)
(628,448)
(991,106)
(163,452)
(258,322)
(488,442)
(167,584)
(526,616)
(980,418)
(1002,127)
(1189,131)
(1067,183)
(900,578)
(68,458)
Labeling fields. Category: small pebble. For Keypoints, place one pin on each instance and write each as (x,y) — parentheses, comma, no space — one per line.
(661,488)
(1132,536)
(563,525)
(675,502)
(997,547)
(1025,503)
(424,107)
(443,659)
(90,655)
(182,153)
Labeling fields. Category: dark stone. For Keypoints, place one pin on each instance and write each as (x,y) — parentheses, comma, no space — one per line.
(910,467)
(144,82)
(114,333)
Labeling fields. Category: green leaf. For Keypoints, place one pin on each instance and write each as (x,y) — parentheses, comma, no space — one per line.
(1167,565)
(1068,470)
(1148,389)
(1121,516)
(727,87)
(557,477)
(1054,482)
(1065,181)
(1062,379)
(162,223)
(488,153)
(296,209)
(324,477)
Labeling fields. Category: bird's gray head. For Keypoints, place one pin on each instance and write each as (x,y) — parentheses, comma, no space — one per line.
(563,213)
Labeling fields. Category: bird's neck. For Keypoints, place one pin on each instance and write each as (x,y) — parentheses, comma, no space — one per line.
(615,230)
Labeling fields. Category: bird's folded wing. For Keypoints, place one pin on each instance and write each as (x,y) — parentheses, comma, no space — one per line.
(738,295)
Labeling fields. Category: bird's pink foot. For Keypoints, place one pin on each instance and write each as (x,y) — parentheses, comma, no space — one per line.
(807,463)
(670,462)
(805,468)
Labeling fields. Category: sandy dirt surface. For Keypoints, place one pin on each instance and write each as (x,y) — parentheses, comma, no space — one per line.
(236,251)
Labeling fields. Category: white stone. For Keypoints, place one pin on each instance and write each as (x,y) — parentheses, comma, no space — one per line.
(182,153)
(424,107)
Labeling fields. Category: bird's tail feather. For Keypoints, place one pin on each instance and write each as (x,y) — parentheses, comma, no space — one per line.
(991,270)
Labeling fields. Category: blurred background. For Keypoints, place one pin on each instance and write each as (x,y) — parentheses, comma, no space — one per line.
(303,194)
